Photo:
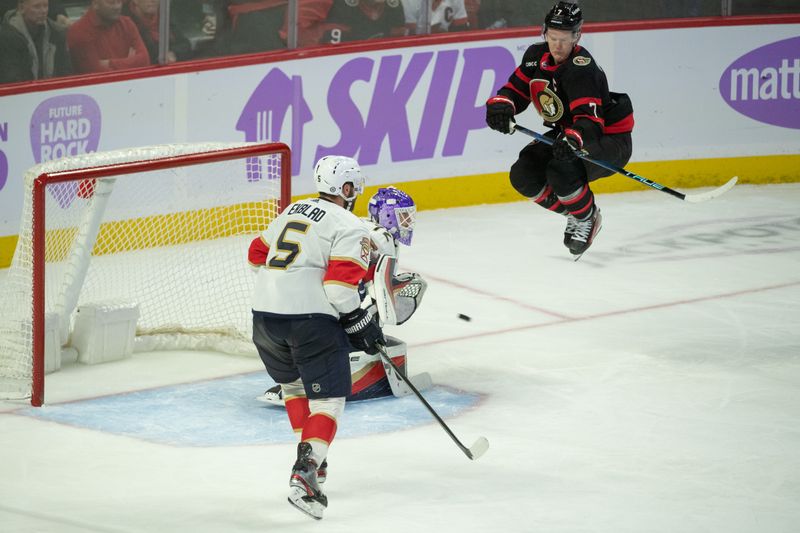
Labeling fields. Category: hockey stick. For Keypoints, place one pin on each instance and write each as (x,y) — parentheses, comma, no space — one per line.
(692,198)
(481,444)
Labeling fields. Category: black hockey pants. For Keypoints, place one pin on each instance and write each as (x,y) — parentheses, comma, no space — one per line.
(536,168)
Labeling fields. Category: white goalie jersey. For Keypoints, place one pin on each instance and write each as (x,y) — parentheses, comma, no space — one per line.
(397,296)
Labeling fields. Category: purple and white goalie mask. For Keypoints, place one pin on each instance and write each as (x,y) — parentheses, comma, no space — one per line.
(394,210)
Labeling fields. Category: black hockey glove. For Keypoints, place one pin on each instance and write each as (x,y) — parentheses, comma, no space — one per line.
(363,330)
(500,114)
(564,148)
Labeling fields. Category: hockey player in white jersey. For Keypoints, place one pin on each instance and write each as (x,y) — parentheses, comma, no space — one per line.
(307,314)
(394,297)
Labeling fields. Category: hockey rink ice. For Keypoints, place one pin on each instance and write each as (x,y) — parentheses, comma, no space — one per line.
(653,386)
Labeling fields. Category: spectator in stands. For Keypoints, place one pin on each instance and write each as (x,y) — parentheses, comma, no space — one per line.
(318,22)
(202,22)
(252,26)
(5,7)
(103,40)
(337,21)
(144,13)
(56,11)
(443,16)
(32,46)
(472,7)
(311,25)
(494,14)
(197,20)
(357,20)
(249,26)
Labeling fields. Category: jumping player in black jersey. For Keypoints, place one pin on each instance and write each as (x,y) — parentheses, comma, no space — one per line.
(570,91)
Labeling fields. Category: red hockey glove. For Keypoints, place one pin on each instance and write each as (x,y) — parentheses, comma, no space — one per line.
(565,147)
(500,114)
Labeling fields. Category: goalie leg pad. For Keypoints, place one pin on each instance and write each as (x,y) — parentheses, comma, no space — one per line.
(397,349)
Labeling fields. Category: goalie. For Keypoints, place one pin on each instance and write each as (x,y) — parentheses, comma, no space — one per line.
(392,216)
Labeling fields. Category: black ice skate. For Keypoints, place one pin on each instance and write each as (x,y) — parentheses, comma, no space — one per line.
(572,223)
(304,490)
(585,231)
(272,396)
(322,472)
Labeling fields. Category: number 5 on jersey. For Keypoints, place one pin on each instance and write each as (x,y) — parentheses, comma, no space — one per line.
(288,250)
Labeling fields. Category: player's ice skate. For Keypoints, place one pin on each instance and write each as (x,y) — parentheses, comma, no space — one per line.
(272,396)
(585,232)
(569,231)
(322,472)
(304,490)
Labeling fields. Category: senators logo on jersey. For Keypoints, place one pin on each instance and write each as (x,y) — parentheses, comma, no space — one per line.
(547,102)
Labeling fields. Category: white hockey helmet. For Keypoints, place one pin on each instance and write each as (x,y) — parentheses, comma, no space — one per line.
(333,171)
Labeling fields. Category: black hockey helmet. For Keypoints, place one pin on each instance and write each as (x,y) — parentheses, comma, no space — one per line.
(564,16)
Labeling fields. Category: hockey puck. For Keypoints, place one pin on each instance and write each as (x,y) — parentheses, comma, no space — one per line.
(464,317)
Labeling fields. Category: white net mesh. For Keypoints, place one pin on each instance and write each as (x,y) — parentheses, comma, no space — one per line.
(174,241)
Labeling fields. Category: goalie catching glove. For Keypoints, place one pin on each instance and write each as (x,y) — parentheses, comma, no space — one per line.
(363,330)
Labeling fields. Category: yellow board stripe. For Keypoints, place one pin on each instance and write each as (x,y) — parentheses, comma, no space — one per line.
(7,247)
(451,192)
(680,175)
(147,232)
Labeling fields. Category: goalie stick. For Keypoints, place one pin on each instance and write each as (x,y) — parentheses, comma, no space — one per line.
(692,198)
(473,452)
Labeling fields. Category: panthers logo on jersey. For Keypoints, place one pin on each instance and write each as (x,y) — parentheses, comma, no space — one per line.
(366,247)
(547,102)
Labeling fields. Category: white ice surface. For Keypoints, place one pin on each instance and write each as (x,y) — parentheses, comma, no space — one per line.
(654,386)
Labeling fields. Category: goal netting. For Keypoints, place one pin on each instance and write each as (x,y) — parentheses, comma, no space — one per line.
(162,228)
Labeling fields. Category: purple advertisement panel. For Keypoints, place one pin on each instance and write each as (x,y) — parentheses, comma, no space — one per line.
(452,82)
(65,126)
(263,117)
(393,81)
(3,169)
(764,84)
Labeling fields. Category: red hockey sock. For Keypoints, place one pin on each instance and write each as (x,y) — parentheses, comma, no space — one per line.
(297,410)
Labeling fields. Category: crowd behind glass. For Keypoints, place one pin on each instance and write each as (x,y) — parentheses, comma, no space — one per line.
(50,38)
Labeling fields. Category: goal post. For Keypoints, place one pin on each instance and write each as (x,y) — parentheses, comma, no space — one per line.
(157,235)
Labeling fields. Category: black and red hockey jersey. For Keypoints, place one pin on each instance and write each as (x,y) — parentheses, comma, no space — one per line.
(573,94)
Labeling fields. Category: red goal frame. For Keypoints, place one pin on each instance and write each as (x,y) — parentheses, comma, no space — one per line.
(38,222)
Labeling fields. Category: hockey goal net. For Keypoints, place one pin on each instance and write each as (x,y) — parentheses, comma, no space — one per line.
(162,228)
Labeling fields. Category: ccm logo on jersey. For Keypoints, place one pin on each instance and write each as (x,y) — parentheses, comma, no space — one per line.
(531,63)
(582,61)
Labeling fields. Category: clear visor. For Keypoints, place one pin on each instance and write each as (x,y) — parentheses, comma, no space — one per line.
(358,189)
